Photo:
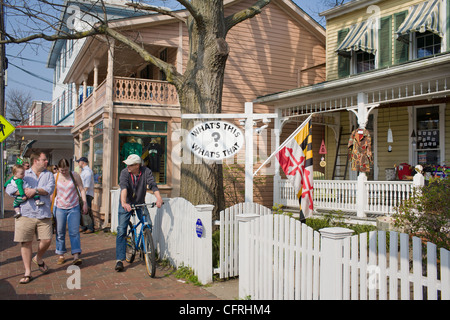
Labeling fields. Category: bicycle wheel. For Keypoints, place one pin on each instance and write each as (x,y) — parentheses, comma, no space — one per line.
(149,253)
(130,252)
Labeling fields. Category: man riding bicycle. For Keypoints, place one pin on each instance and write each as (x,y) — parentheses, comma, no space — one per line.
(133,183)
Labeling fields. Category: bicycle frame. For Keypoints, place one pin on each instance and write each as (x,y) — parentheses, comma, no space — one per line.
(138,236)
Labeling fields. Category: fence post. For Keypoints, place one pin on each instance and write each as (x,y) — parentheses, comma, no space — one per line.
(244,254)
(331,262)
(203,243)
(361,195)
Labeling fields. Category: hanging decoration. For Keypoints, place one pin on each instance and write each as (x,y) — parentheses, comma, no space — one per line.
(323,150)
(390,137)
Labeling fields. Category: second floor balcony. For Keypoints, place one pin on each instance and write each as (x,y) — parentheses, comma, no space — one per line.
(128,91)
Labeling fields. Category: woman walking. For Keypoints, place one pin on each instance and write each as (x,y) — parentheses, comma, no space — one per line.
(68,190)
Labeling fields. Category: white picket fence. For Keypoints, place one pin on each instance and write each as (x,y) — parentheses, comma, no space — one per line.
(229,249)
(381,196)
(175,233)
(280,258)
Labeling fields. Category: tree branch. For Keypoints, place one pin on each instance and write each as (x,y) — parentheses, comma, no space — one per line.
(243,15)
(172,75)
(76,35)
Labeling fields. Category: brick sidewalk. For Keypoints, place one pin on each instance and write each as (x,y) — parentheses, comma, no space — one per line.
(99,281)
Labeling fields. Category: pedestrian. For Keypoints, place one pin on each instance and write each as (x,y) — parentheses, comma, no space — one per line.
(17,179)
(34,219)
(133,182)
(68,189)
(87,177)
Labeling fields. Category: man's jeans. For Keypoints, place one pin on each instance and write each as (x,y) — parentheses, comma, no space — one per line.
(72,218)
(121,239)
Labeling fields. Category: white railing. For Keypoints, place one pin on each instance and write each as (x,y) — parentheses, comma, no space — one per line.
(381,196)
(175,233)
(280,258)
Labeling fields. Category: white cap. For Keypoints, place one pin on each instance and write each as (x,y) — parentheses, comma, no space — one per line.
(133,159)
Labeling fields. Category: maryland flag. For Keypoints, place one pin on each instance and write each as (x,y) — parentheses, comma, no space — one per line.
(296,159)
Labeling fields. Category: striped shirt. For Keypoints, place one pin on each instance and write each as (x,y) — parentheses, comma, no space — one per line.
(66,194)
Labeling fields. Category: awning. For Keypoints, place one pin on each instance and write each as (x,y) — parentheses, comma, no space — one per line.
(422,17)
(360,37)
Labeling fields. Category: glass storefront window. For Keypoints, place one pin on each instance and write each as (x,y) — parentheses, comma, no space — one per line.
(151,148)
(147,126)
(97,164)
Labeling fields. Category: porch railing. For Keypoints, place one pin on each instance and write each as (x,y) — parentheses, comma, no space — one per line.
(142,91)
(382,196)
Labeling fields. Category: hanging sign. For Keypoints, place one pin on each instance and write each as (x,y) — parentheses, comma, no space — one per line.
(215,140)
(6,128)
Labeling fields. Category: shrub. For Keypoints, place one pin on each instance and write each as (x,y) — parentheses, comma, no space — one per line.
(427,213)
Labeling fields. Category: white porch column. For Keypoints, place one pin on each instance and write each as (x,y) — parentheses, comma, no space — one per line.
(277,177)
(362,116)
(96,62)
(108,137)
(331,263)
(249,152)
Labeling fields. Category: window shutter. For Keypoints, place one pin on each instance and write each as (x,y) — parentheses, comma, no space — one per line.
(401,47)
(448,25)
(343,62)
(385,42)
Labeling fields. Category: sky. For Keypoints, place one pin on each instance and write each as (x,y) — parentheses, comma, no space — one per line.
(27,71)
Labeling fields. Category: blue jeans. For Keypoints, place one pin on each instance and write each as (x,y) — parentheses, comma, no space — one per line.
(121,239)
(72,218)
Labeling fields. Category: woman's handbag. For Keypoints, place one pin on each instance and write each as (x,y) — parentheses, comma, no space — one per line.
(80,200)
(53,202)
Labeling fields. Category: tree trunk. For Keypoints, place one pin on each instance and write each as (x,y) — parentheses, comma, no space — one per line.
(201,92)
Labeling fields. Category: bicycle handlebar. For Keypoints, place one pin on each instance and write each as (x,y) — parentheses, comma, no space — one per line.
(152,205)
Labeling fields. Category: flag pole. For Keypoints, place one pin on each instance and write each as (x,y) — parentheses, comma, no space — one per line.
(284,143)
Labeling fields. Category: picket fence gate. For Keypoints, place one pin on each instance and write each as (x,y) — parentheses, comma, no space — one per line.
(229,240)
(280,258)
(177,235)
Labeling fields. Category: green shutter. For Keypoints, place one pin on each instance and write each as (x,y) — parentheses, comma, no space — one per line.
(448,25)
(385,42)
(343,62)
(401,48)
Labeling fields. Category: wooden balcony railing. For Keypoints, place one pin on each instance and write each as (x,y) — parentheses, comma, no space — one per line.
(130,91)
(153,92)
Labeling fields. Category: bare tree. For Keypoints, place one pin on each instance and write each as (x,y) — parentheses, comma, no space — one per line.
(18,103)
(199,87)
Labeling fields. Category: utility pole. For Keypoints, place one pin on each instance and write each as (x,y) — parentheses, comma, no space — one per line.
(2,105)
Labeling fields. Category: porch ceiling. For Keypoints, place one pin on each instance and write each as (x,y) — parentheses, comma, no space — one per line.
(95,51)
(427,78)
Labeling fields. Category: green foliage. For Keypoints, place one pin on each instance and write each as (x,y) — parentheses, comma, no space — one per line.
(427,213)
(187,274)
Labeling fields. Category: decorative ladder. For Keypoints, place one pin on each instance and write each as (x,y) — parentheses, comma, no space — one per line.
(341,160)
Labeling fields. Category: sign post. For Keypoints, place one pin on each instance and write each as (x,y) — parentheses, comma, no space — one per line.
(6,129)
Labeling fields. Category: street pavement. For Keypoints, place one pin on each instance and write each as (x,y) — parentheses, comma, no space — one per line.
(95,278)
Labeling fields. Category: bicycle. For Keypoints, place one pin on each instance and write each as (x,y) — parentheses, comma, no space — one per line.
(141,241)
